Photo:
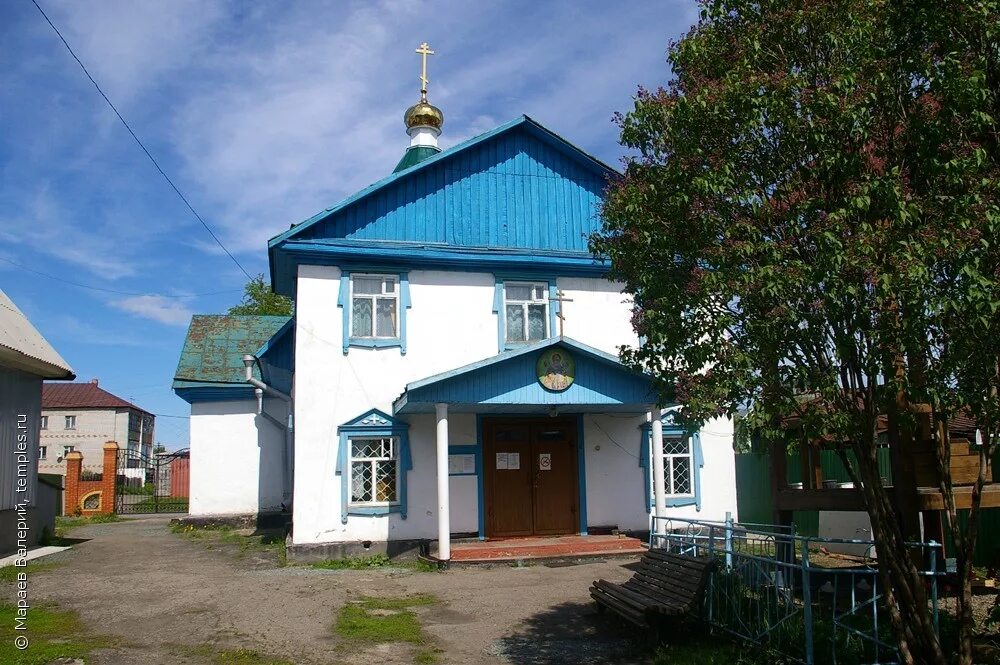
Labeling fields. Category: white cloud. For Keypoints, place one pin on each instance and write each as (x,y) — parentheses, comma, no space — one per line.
(266,113)
(39,221)
(170,311)
(131,47)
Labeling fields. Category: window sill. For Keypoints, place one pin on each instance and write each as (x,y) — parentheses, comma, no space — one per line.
(376,343)
(510,346)
(369,511)
(677,501)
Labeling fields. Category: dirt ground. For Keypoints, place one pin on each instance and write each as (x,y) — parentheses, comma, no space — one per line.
(171,599)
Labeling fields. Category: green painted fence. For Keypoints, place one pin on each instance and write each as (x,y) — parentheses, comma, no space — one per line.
(753,498)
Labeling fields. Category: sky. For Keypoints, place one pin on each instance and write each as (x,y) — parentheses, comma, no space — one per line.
(262,113)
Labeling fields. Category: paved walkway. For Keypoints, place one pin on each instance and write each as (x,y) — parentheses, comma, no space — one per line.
(172,600)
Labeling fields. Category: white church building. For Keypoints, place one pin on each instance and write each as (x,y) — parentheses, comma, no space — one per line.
(450,370)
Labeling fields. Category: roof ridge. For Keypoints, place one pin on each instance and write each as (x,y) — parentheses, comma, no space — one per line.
(83,395)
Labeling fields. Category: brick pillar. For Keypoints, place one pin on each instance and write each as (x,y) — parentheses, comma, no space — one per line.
(109,476)
(71,497)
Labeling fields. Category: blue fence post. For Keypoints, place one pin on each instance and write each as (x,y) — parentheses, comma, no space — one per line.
(729,541)
(932,547)
(807,614)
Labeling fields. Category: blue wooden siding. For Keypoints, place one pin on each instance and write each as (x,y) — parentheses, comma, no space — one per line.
(513,190)
(277,358)
(513,381)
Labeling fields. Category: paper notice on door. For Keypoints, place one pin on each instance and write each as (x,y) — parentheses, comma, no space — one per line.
(513,460)
(545,462)
(502,460)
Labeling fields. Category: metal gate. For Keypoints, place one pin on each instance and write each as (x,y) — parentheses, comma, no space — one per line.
(155,483)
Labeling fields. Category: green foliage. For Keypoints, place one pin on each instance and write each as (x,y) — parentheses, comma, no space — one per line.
(810,227)
(355,623)
(173,504)
(242,656)
(51,633)
(65,524)
(241,542)
(382,603)
(248,657)
(815,196)
(260,300)
(8,574)
(146,488)
(711,651)
(382,619)
(354,562)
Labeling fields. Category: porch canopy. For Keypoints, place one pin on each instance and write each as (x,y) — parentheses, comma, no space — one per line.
(558,374)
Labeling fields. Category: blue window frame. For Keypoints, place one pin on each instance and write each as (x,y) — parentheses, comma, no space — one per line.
(519,300)
(374,304)
(372,462)
(682,465)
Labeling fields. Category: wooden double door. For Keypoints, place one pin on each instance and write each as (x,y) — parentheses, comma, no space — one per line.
(530,476)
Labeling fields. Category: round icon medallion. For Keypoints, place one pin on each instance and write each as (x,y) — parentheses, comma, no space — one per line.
(555,369)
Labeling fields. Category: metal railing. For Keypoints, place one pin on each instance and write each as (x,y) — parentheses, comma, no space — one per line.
(770,590)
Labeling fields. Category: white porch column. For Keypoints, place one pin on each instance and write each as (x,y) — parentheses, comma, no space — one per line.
(444,517)
(659,491)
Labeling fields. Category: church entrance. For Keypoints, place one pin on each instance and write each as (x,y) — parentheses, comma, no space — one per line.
(530,476)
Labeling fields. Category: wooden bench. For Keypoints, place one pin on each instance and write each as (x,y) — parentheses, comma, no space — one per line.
(665,585)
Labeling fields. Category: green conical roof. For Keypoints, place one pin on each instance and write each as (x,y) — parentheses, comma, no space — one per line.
(414,155)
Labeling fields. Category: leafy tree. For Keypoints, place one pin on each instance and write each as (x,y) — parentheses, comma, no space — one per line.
(810,227)
(260,300)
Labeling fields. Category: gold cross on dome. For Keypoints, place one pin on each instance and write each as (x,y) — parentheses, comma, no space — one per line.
(424,51)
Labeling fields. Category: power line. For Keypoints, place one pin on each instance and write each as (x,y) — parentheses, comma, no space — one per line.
(115,291)
(139,142)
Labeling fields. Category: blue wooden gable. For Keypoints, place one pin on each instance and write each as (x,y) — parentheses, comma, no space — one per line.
(508,383)
(518,188)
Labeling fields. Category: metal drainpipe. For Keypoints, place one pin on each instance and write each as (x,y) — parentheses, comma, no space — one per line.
(262,389)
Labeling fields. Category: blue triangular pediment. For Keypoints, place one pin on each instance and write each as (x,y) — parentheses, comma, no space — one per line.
(512,380)
(374,419)
(517,186)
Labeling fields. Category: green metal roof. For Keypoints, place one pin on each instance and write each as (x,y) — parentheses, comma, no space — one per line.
(414,155)
(215,345)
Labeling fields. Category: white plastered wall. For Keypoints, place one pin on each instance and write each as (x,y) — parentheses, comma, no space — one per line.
(236,458)
(450,323)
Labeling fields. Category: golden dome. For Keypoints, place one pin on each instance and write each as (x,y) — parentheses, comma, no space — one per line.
(423,113)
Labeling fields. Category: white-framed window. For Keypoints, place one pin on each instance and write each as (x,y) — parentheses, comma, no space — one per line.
(678,465)
(70,422)
(526,312)
(45,422)
(374,463)
(43,452)
(374,306)
(67,450)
